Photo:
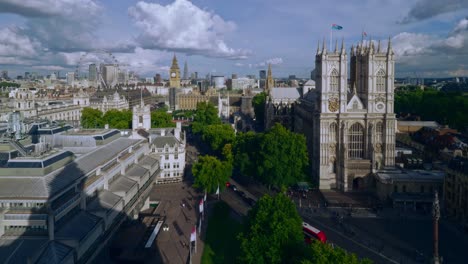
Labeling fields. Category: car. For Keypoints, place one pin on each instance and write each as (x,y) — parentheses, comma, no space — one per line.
(233,187)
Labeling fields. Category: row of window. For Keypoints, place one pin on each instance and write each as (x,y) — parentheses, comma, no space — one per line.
(174,166)
(379,82)
(21,228)
(421,189)
(168,174)
(21,205)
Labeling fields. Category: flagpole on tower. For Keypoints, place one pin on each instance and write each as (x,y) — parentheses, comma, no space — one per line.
(331,37)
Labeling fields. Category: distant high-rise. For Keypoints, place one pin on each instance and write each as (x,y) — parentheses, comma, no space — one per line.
(185,71)
(27,75)
(157,78)
(4,74)
(70,78)
(195,75)
(109,74)
(92,75)
(234,76)
(262,75)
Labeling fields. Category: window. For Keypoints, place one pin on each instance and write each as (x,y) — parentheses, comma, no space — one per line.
(334,81)
(333,129)
(422,188)
(140,119)
(404,188)
(379,132)
(395,188)
(380,82)
(356,142)
(167,156)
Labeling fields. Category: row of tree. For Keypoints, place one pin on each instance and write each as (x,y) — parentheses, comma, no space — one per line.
(121,119)
(448,108)
(9,84)
(276,157)
(273,234)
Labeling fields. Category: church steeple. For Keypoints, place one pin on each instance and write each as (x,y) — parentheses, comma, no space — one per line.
(269,82)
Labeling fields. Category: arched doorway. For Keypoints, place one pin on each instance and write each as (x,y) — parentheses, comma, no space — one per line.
(358,184)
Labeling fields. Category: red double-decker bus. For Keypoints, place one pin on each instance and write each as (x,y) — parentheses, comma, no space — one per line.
(311,232)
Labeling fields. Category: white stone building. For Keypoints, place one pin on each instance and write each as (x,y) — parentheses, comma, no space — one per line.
(350,132)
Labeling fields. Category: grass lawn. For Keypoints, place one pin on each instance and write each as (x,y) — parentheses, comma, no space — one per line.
(221,245)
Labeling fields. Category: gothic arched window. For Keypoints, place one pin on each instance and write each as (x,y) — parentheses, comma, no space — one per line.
(334,81)
(379,132)
(380,81)
(333,129)
(356,142)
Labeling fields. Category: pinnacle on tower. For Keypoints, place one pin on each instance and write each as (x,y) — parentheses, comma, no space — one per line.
(318,47)
(352,50)
(324,47)
(354,88)
(174,62)
(378,47)
(389,49)
(343,51)
(336,46)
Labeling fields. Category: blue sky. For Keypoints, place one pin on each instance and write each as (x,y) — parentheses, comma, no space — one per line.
(430,37)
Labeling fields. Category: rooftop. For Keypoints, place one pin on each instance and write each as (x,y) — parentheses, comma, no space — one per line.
(399,175)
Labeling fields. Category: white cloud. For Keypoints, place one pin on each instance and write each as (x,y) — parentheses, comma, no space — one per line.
(425,9)
(182,26)
(14,43)
(49,67)
(35,8)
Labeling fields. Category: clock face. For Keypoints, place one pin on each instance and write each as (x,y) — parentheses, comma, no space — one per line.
(380,106)
(173,74)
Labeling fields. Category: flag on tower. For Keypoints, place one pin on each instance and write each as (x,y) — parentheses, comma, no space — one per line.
(193,235)
(336,27)
(201,206)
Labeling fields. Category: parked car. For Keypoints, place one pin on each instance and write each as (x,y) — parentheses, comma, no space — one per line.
(233,187)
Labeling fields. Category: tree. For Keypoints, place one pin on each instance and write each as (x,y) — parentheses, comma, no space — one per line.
(218,135)
(209,173)
(118,119)
(205,115)
(273,232)
(91,118)
(246,153)
(161,119)
(283,157)
(258,103)
(320,253)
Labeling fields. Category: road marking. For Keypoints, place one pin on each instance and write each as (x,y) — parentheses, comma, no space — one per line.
(354,241)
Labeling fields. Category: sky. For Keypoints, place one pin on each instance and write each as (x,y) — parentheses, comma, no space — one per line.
(221,37)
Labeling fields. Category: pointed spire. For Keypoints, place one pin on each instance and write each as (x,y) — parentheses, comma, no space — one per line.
(324,47)
(336,46)
(354,88)
(343,51)
(352,50)
(318,47)
(379,47)
(389,49)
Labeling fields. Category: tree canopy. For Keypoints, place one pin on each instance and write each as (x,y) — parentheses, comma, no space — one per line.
(218,135)
(9,84)
(320,253)
(283,157)
(448,108)
(258,103)
(206,114)
(161,119)
(94,118)
(209,173)
(278,157)
(273,232)
(91,118)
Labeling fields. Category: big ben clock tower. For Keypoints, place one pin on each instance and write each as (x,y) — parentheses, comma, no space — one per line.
(174,74)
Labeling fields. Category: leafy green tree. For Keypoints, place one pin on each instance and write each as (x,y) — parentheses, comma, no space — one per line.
(161,119)
(118,119)
(205,115)
(258,103)
(91,118)
(218,135)
(273,232)
(9,84)
(283,157)
(209,173)
(245,151)
(320,253)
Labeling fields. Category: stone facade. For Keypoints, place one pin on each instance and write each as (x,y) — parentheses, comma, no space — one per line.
(350,132)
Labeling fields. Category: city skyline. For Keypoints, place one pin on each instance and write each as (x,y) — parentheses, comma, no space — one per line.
(430,38)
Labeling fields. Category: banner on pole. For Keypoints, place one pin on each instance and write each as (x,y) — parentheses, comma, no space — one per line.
(193,235)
